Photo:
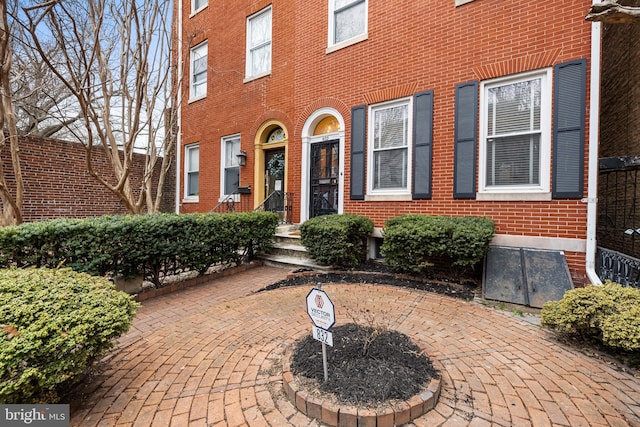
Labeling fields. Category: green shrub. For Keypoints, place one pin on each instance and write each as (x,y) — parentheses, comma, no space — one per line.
(129,245)
(339,240)
(412,241)
(53,324)
(609,313)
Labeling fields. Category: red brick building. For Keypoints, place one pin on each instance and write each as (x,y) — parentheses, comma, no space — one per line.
(461,107)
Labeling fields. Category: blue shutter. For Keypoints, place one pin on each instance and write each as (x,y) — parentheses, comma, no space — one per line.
(569,94)
(466,132)
(358,149)
(422,142)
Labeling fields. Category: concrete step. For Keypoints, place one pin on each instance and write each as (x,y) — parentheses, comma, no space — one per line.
(283,261)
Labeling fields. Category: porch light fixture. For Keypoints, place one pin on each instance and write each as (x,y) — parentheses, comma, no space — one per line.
(242,158)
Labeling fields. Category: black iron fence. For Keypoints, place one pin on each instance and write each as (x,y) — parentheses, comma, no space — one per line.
(618,267)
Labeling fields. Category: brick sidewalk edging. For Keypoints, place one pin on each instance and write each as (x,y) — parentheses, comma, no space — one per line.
(337,415)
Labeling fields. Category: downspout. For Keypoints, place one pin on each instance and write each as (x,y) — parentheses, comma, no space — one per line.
(179,106)
(594,143)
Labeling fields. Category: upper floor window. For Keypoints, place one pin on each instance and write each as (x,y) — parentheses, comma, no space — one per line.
(197,5)
(198,75)
(515,126)
(259,44)
(389,142)
(191,170)
(347,20)
(230,165)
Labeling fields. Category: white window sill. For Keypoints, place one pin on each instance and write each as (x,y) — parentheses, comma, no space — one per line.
(234,197)
(514,197)
(195,12)
(256,77)
(346,43)
(198,98)
(461,2)
(191,200)
(387,197)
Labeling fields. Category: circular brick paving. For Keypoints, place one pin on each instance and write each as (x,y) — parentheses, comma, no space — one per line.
(212,355)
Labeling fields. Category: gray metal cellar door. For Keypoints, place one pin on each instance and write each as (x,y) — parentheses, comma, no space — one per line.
(524,276)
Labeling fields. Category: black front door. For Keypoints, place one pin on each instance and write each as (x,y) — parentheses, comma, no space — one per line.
(324,178)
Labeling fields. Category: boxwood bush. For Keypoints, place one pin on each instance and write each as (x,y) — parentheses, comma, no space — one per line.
(609,313)
(53,323)
(130,245)
(411,242)
(339,240)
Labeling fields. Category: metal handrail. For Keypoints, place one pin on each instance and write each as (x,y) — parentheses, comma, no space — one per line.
(229,201)
(261,206)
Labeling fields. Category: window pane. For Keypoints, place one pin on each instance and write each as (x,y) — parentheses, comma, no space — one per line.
(197,4)
(261,60)
(199,71)
(514,108)
(350,21)
(192,184)
(513,160)
(260,28)
(390,169)
(231,180)
(193,159)
(231,150)
(390,127)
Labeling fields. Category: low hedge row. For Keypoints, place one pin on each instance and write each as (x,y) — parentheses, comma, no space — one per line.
(54,323)
(150,245)
(609,313)
(412,241)
(339,240)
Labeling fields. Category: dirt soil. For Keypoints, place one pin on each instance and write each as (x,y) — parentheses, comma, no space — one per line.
(366,366)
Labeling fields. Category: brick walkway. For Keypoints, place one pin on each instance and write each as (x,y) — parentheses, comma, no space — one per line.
(212,356)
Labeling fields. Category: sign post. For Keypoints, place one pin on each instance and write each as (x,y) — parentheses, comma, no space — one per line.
(321,311)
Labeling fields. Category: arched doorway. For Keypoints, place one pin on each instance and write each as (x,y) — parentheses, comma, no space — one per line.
(322,164)
(270,168)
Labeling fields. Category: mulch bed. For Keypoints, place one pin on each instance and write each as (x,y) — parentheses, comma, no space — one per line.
(463,286)
(367,366)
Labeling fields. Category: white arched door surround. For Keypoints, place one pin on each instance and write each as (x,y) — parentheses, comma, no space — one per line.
(309,138)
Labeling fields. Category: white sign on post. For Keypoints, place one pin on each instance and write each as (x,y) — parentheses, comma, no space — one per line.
(325,337)
(320,309)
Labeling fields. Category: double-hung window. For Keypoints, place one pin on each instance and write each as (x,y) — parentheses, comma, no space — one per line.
(515,130)
(230,165)
(258,61)
(197,5)
(347,21)
(198,75)
(191,170)
(389,142)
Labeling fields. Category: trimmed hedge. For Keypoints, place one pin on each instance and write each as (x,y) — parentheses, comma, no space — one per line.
(339,240)
(53,324)
(412,241)
(609,313)
(150,245)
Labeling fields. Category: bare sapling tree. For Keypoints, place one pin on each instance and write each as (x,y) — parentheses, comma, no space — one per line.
(11,202)
(116,64)
(44,106)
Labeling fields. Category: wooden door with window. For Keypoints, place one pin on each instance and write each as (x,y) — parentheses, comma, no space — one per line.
(274,180)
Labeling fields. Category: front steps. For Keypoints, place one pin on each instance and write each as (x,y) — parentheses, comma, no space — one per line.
(289,253)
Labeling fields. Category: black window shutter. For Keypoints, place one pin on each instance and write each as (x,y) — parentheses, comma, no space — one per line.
(465,137)
(422,142)
(358,149)
(569,94)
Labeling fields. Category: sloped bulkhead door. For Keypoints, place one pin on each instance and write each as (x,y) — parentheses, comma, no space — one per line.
(525,276)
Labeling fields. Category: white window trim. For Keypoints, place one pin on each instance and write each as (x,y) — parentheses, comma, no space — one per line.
(543,191)
(390,194)
(223,156)
(187,198)
(195,11)
(205,45)
(248,62)
(331,46)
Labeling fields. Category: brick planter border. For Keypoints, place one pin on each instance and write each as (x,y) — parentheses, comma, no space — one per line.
(338,415)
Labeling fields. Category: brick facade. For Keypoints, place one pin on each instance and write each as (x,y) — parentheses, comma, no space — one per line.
(57,184)
(409,47)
